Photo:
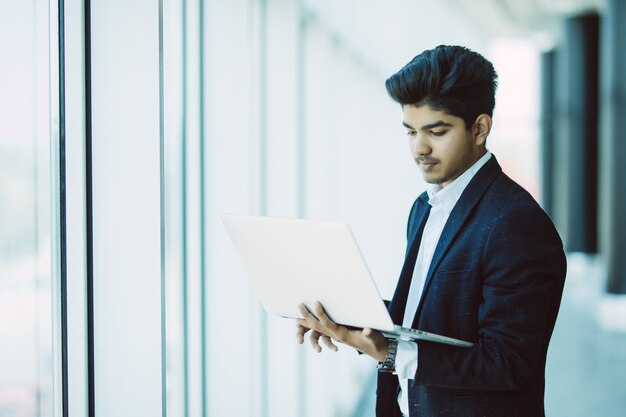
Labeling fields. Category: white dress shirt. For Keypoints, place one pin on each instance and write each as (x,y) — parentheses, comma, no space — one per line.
(442,201)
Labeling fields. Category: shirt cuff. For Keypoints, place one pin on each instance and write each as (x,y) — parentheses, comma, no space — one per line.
(406,359)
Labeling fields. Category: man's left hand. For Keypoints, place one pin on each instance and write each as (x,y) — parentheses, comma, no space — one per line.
(368,341)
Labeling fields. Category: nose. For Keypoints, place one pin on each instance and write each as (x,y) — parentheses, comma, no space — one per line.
(420,146)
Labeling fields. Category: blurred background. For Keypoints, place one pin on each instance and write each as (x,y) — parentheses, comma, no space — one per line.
(127,128)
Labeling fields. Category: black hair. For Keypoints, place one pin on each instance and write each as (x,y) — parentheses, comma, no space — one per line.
(452,79)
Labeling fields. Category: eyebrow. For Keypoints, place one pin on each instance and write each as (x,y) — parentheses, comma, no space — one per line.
(438,123)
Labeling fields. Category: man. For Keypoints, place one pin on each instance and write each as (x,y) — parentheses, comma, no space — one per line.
(484,263)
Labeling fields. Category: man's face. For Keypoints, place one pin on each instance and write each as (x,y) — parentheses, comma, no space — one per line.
(440,144)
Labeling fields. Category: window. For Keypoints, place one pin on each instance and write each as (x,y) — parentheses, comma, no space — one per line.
(26,358)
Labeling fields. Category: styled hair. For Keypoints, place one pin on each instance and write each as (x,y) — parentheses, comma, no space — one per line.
(452,79)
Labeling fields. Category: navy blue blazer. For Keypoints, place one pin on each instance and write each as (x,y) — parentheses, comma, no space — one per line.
(496,279)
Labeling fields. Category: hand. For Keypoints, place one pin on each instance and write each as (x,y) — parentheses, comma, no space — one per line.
(314,337)
(368,341)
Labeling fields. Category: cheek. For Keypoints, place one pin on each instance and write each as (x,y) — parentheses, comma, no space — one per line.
(457,157)
(460,153)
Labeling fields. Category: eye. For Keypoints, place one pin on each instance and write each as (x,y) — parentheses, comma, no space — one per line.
(411,133)
(438,133)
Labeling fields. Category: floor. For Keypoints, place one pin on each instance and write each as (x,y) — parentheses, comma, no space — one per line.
(586,371)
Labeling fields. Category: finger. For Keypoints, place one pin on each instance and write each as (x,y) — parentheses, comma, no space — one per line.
(306,314)
(329,343)
(373,335)
(329,327)
(303,310)
(303,323)
(323,317)
(301,330)
(314,338)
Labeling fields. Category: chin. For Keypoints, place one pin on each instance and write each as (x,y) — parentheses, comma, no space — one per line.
(435,181)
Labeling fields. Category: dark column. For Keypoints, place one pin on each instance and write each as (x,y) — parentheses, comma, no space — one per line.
(613,145)
(575,187)
(547,123)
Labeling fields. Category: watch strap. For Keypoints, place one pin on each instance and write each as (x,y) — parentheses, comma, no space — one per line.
(389,363)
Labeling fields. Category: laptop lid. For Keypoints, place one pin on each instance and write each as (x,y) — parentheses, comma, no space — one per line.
(293,261)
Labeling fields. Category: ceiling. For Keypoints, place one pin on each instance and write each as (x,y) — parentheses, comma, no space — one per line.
(386,34)
(538,19)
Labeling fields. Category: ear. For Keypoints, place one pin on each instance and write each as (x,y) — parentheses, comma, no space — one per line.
(481,129)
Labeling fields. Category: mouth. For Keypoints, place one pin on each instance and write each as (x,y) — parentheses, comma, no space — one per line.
(426,164)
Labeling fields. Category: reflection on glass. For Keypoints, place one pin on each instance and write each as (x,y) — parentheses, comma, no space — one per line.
(25,245)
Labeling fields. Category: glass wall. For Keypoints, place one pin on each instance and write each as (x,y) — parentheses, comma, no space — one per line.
(271,108)
(26,358)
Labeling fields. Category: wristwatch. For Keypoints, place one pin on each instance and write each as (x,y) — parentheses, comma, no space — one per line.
(389,364)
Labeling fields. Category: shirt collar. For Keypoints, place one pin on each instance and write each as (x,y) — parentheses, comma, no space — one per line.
(448,196)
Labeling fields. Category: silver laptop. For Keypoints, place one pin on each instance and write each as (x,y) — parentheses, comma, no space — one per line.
(293,261)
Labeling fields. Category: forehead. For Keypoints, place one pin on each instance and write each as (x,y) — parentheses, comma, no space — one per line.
(420,116)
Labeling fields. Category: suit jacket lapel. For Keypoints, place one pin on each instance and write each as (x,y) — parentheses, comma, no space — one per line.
(458,217)
(415,230)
